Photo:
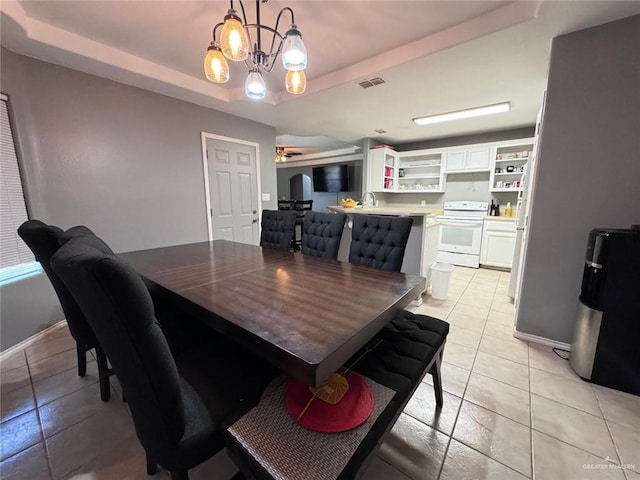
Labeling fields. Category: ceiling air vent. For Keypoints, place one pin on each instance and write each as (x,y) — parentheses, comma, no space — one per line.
(371,82)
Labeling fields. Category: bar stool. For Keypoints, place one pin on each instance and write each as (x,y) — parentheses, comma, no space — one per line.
(301,207)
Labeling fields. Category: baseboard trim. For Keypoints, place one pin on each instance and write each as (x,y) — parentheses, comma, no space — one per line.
(32,339)
(541,340)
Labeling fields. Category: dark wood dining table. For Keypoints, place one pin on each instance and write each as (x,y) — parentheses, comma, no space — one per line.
(305,315)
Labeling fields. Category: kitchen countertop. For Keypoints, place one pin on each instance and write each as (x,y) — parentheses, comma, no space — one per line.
(501,218)
(388,210)
(406,211)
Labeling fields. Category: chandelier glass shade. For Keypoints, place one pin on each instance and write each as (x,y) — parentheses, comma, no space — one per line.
(216,67)
(242,41)
(254,86)
(294,53)
(295,82)
(234,39)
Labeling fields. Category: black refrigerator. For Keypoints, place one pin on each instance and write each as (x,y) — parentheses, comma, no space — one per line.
(606,340)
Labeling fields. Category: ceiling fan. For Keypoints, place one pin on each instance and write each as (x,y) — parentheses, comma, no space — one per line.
(282,154)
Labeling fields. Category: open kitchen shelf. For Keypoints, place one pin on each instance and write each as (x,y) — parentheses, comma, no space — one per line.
(414,176)
(426,171)
(417,171)
(420,172)
(514,153)
(524,159)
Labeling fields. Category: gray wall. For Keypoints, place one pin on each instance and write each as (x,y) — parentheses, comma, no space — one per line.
(27,307)
(124,161)
(321,199)
(589,168)
(486,137)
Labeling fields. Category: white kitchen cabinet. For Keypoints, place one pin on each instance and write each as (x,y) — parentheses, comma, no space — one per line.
(455,161)
(426,171)
(474,159)
(420,171)
(384,170)
(498,243)
(479,159)
(509,164)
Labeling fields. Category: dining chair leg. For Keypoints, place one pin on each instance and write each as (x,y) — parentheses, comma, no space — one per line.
(104,372)
(180,475)
(152,467)
(82,359)
(437,378)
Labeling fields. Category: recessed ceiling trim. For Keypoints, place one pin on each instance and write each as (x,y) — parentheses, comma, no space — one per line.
(485,24)
(60,46)
(329,153)
(89,56)
(93,57)
(318,160)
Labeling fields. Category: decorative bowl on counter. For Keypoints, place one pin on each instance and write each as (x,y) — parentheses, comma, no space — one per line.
(348,203)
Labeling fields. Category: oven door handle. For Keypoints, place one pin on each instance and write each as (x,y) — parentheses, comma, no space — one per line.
(460,224)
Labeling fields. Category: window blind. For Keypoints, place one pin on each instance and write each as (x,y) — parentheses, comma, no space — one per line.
(13,211)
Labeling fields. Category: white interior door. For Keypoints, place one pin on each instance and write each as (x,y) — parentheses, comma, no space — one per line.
(232,186)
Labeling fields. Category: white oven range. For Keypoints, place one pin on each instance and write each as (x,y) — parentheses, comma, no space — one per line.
(461,232)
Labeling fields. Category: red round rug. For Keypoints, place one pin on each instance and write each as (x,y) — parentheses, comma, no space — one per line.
(352,410)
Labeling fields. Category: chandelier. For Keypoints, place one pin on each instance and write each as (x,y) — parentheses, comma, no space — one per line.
(242,41)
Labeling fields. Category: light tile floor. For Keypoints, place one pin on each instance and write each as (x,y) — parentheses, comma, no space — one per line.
(511,410)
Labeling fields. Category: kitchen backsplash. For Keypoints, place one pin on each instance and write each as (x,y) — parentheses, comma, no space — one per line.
(465,186)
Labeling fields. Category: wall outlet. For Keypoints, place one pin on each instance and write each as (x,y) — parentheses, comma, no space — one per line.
(266,197)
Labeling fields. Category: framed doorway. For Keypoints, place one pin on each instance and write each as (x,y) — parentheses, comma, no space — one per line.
(232,184)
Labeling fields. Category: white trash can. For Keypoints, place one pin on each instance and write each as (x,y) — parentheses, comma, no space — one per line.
(440,276)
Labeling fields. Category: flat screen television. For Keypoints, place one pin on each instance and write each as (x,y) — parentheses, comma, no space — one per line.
(331,178)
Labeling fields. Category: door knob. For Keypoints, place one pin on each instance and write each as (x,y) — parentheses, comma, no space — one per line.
(255,220)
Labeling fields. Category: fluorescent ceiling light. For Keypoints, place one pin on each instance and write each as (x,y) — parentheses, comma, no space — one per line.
(470,112)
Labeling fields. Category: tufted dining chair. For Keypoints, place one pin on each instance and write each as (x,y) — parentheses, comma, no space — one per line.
(379,241)
(178,405)
(277,229)
(44,241)
(321,234)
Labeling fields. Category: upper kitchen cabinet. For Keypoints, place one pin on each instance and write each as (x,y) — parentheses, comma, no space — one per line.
(384,171)
(417,171)
(426,171)
(471,159)
(509,164)
(420,171)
